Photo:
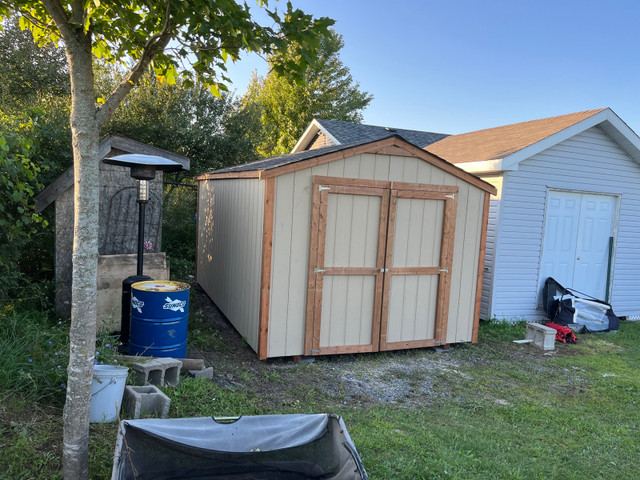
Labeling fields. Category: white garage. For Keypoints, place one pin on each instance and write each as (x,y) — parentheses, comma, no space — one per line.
(568,206)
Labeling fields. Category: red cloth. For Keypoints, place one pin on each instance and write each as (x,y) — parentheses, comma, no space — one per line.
(563,334)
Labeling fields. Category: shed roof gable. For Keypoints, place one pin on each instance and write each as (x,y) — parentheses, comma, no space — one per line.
(391,145)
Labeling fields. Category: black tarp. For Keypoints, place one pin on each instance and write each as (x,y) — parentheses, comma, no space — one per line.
(263,447)
(566,306)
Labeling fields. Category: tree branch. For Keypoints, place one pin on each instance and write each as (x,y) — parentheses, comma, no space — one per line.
(34,20)
(164,30)
(77,12)
(59,16)
(156,44)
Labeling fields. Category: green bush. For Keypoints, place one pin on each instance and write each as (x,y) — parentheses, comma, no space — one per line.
(19,223)
(179,230)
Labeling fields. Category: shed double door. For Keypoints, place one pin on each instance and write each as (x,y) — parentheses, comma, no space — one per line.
(379,265)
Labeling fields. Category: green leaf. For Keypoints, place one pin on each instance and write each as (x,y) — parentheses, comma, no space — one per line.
(215,90)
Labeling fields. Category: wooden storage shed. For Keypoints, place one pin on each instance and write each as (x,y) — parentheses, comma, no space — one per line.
(364,247)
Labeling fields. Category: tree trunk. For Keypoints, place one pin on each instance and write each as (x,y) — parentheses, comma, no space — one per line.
(82,333)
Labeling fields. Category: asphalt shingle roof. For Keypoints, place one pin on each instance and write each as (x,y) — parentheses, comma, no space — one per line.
(286,159)
(500,142)
(349,133)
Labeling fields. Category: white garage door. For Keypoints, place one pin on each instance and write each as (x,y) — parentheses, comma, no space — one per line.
(578,228)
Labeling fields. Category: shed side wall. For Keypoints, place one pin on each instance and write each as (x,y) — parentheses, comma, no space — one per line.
(230,217)
(291,243)
(587,162)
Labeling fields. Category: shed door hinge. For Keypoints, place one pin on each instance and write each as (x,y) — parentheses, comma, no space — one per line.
(438,341)
(445,270)
(321,188)
(452,196)
(314,351)
(317,270)
(384,270)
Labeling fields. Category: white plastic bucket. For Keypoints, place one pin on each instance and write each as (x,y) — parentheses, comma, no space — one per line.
(106,392)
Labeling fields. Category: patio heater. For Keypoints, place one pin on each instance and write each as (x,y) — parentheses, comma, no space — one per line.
(143,168)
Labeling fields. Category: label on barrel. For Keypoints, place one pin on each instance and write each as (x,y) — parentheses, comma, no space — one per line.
(174,305)
(137,304)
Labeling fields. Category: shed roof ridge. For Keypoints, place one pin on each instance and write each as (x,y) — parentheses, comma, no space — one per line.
(390,129)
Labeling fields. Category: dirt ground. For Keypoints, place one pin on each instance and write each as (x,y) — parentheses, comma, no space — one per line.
(403,378)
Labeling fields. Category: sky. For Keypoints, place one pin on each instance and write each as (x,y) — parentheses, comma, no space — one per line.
(462,65)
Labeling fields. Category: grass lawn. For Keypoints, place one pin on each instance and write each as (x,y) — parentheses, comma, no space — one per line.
(490,410)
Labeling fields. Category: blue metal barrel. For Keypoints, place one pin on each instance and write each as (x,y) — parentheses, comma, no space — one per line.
(159,314)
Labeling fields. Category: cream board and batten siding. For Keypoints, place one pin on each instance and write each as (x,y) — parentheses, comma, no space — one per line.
(230,218)
(588,162)
(290,255)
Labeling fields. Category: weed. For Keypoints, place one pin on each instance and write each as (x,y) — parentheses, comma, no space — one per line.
(33,354)
(203,335)
(271,375)
(496,330)
(107,349)
(30,443)
(198,396)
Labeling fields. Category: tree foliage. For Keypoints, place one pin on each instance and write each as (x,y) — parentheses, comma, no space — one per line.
(29,75)
(286,106)
(34,85)
(18,183)
(188,120)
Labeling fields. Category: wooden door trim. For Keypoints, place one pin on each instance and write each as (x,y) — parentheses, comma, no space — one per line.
(386,184)
(353,182)
(311,277)
(443,270)
(413,271)
(316,260)
(317,309)
(446,263)
(429,342)
(265,280)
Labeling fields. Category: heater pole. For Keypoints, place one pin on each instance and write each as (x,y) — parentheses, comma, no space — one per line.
(143,198)
(141,209)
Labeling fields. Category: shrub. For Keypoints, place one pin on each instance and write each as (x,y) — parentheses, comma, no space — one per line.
(179,230)
(19,222)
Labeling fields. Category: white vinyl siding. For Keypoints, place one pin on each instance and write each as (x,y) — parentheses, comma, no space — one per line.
(230,218)
(589,162)
(490,251)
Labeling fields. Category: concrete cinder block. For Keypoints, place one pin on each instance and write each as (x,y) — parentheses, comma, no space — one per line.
(158,371)
(187,363)
(204,373)
(143,401)
(542,336)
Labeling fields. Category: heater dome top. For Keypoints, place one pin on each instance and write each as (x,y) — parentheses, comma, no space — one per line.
(143,167)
